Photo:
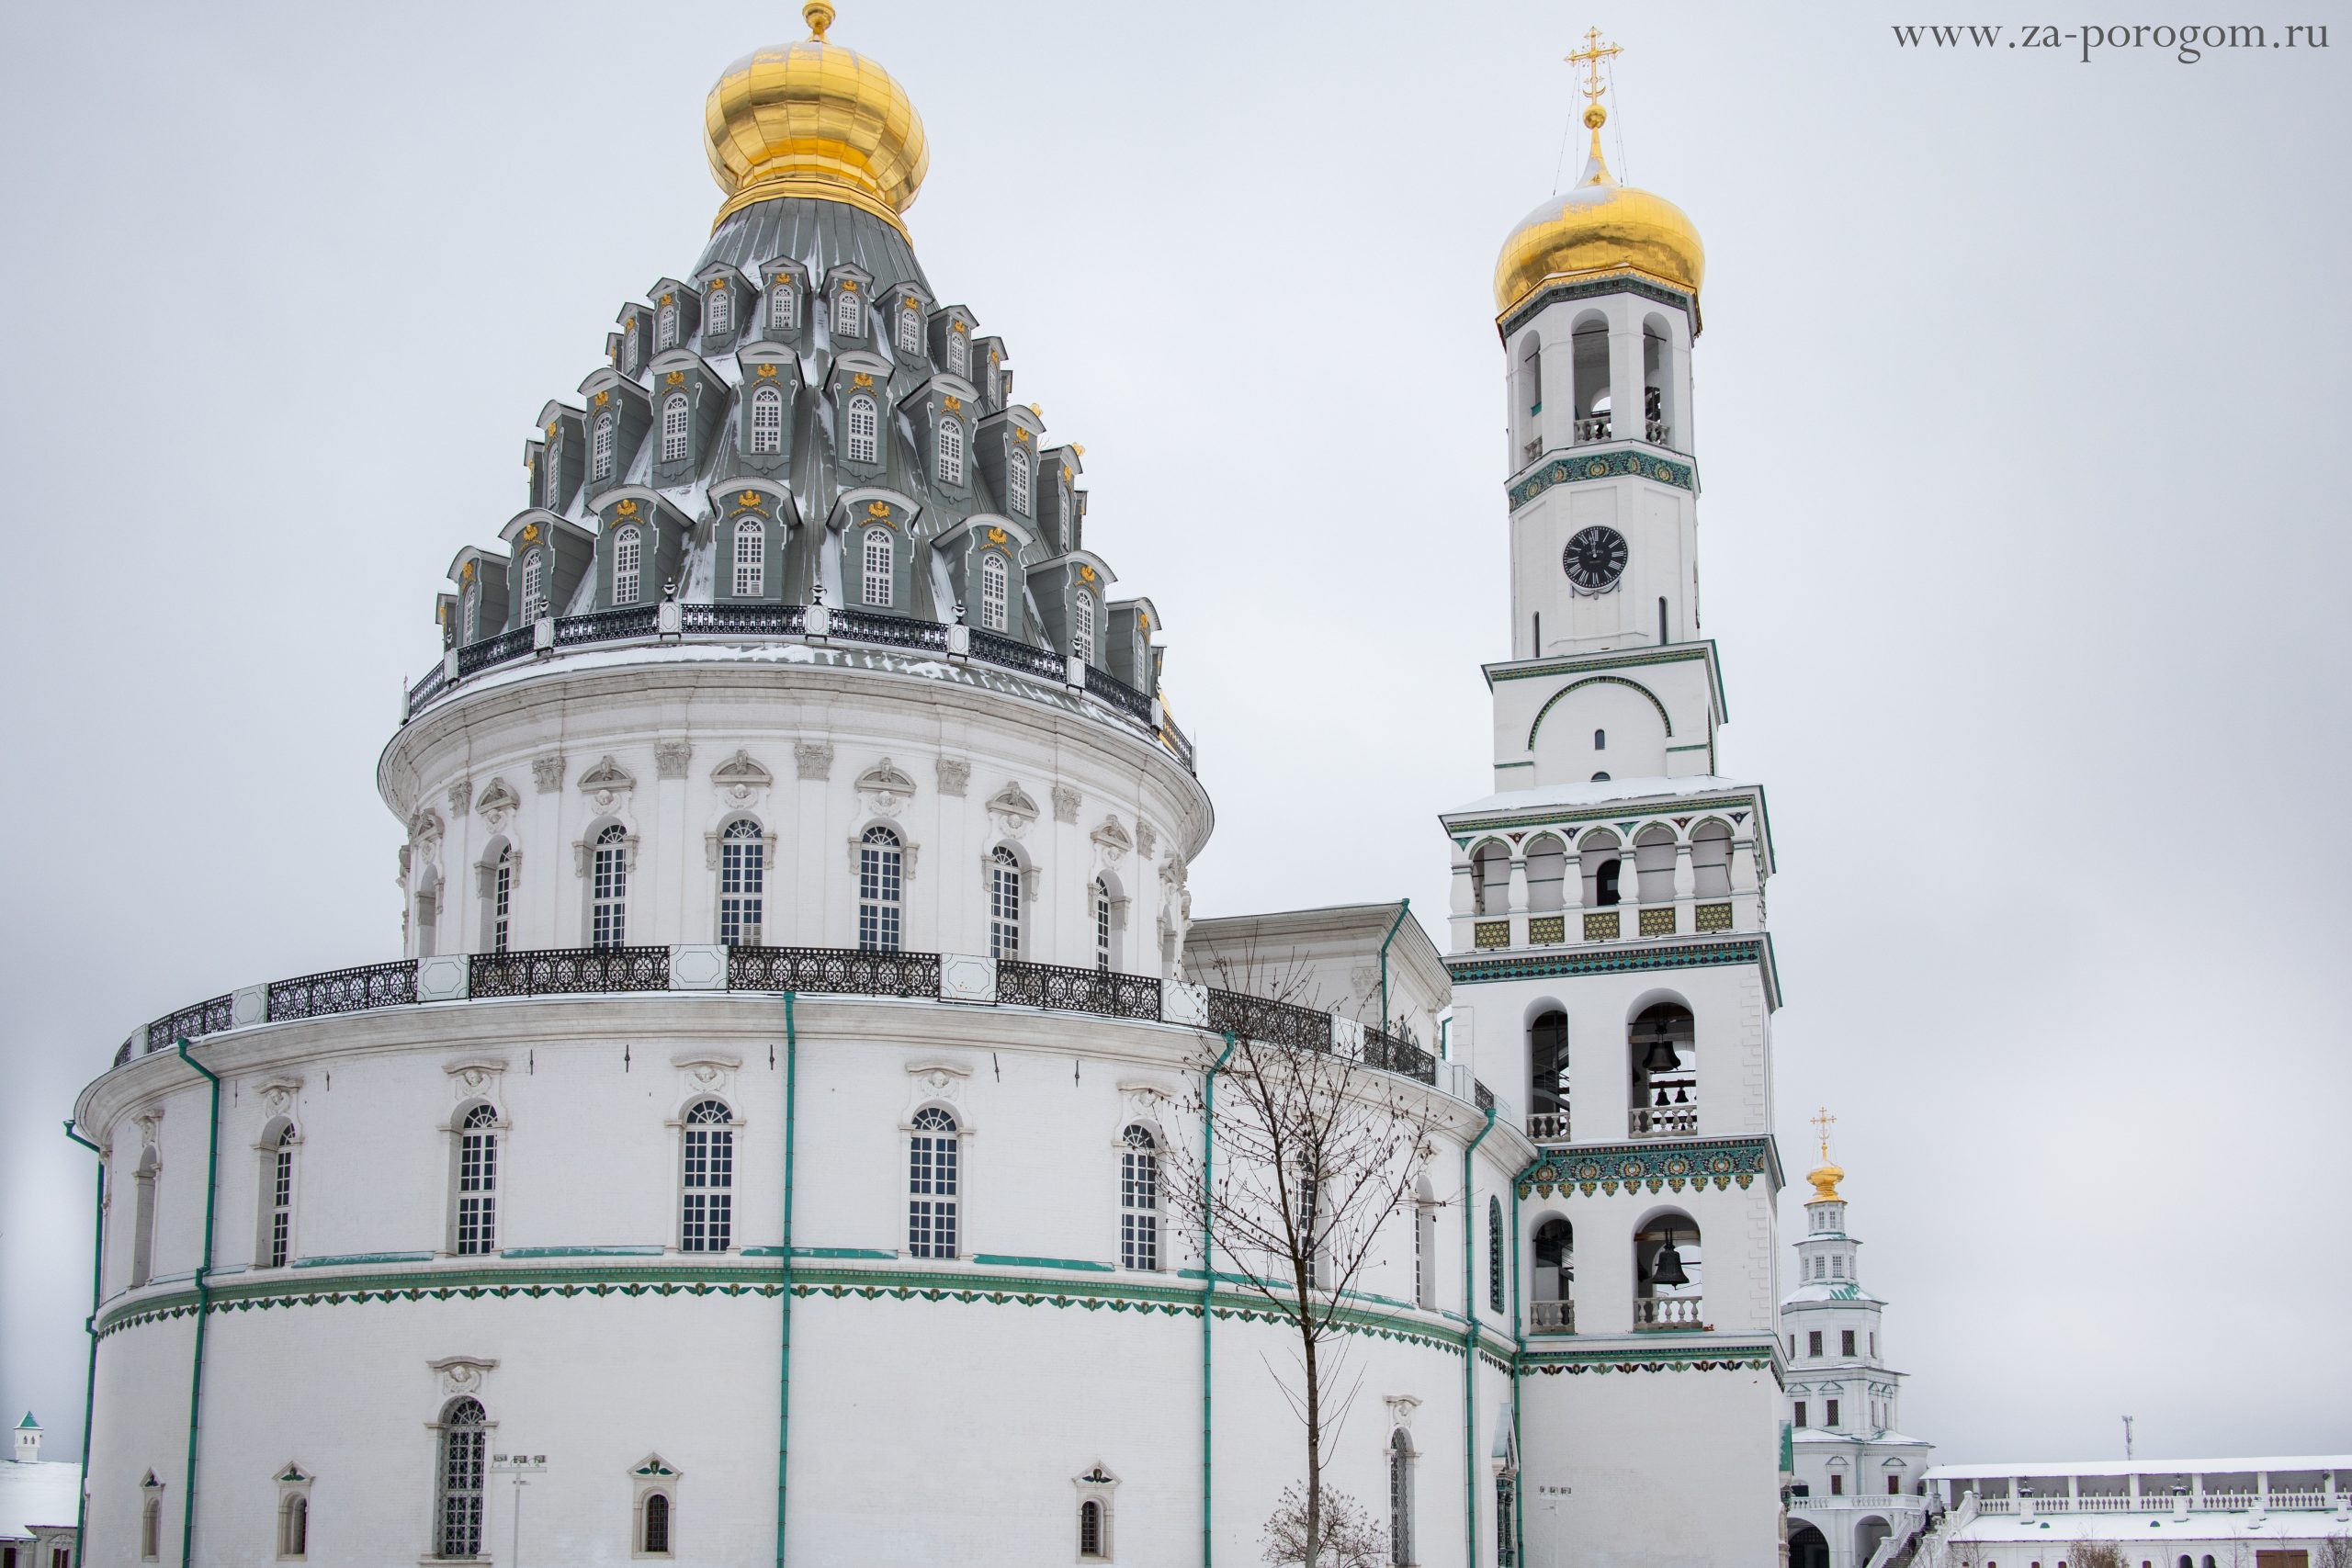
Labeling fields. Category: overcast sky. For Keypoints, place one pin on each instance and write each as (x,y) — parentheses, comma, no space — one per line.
(2023,544)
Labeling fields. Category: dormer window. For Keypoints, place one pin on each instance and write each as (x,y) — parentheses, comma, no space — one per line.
(550,479)
(600,447)
(910,330)
(628,348)
(780,305)
(959,350)
(673,428)
(994,583)
(862,427)
(751,559)
(951,452)
(627,549)
(665,328)
(767,420)
(876,572)
(1016,481)
(535,586)
(473,615)
(1082,626)
(722,315)
(846,318)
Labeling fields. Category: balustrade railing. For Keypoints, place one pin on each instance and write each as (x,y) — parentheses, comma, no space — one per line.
(1481,1096)
(1119,695)
(478,656)
(1547,1126)
(204,1018)
(832,971)
(2213,1501)
(343,990)
(1064,988)
(1668,1311)
(743,620)
(2298,1498)
(1593,429)
(891,631)
(1391,1054)
(1552,1317)
(1278,1023)
(1664,1121)
(568,971)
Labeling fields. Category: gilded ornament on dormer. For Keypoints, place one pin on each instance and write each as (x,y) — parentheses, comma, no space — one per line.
(716,282)
(849,286)
(959,324)
(1143,620)
(861,380)
(1087,573)
(996,535)
(878,509)
(1067,475)
(550,430)
(953,404)
(530,532)
(466,572)
(767,372)
(749,498)
(1020,435)
(627,508)
(677,377)
(603,398)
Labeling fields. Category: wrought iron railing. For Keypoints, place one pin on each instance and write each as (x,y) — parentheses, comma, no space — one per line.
(1067,989)
(608,626)
(343,990)
(742,620)
(994,648)
(1277,1024)
(891,631)
(1393,1054)
(1481,1096)
(476,656)
(204,1018)
(1119,695)
(568,971)
(832,971)
(434,681)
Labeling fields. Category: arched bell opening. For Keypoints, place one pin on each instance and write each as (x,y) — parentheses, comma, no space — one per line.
(1547,1077)
(1552,1295)
(1668,1277)
(1664,1079)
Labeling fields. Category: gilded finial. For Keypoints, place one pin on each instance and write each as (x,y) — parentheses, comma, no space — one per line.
(1821,1122)
(1826,1175)
(818,16)
(1590,57)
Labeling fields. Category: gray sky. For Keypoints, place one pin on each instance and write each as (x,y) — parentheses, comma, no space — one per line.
(2026,580)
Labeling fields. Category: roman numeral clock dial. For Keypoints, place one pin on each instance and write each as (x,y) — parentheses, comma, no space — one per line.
(1595,559)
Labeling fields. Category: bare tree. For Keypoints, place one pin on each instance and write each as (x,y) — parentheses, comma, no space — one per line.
(2335,1551)
(1316,1152)
(2096,1554)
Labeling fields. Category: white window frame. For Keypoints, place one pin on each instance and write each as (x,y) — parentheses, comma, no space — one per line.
(665,329)
(959,350)
(862,425)
(600,447)
(767,420)
(608,871)
(278,1239)
(751,574)
(743,883)
(1016,481)
(674,428)
(502,897)
(474,1199)
(934,1184)
(1103,931)
(910,329)
(846,320)
(721,314)
(1004,903)
(876,560)
(996,590)
(1082,626)
(707,1176)
(628,565)
(780,305)
(950,443)
(881,890)
(1139,1174)
(535,587)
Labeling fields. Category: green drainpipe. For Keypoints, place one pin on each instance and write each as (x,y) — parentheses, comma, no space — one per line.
(1208,1286)
(1518,1440)
(90,1385)
(1402,905)
(203,1303)
(783,1379)
(1470,1349)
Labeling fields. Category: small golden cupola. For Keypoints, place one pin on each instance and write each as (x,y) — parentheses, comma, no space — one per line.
(814,120)
(1599,226)
(1826,1175)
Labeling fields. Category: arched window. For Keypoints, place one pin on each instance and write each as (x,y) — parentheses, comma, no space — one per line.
(1424,1245)
(151,1530)
(294,1525)
(1667,1279)
(1601,778)
(665,328)
(1547,870)
(767,420)
(862,442)
(721,316)
(1494,1254)
(477,1217)
(1016,481)
(743,883)
(750,557)
(1138,1200)
(458,1506)
(653,1536)
(1605,875)
(932,1191)
(1601,741)
(951,452)
(994,582)
(600,447)
(874,573)
(1552,1293)
(1547,1077)
(629,348)
(1490,879)
(910,328)
(1102,925)
(959,350)
(1400,1500)
(673,428)
(535,586)
(281,1199)
(780,305)
(550,478)
(502,896)
(1004,904)
(879,889)
(845,316)
(628,554)
(1710,861)
(142,1223)
(608,889)
(1660,1044)
(1090,1529)
(1082,626)
(707,1207)
(473,614)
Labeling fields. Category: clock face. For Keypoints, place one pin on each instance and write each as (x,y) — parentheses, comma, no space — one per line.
(1595,559)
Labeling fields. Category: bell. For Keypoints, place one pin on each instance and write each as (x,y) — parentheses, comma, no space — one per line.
(1661,1094)
(1667,1269)
(1681,1095)
(1661,1057)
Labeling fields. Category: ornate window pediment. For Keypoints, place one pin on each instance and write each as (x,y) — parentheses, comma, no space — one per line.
(497,803)
(606,783)
(887,787)
(1013,809)
(740,779)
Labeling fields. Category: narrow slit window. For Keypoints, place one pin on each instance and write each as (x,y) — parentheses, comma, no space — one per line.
(707,1209)
(1102,925)
(502,897)
(550,478)
(281,1199)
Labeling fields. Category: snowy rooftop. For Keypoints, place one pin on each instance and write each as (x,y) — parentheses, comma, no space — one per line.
(1596,794)
(2029,1471)
(40,1496)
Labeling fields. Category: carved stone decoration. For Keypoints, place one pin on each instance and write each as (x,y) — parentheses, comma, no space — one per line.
(1400,1409)
(277,1097)
(150,1124)
(425,832)
(1147,840)
(705,1073)
(476,1077)
(740,779)
(462,1374)
(1175,915)
(497,804)
(1144,1103)
(814,758)
(461,795)
(547,774)
(606,783)
(1112,844)
(954,775)
(886,788)
(669,758)
(1011,810)
(1066,801)
(937,1083)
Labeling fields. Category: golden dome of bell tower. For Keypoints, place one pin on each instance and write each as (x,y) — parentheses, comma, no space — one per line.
(814,120)
(1599,225)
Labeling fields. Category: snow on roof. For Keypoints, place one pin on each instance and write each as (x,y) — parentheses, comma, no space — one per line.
(1595,793)
(45,1495)
(2030,1470)
(2156,1531)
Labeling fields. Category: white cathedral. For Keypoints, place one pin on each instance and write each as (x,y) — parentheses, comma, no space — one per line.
(757,1152)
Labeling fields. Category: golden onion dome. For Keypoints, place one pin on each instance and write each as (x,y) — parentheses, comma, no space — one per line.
(814,120)
(1598,226)
(1824,1178)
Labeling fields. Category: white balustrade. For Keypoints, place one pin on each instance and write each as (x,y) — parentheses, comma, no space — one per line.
(1553,1317)
(1668,1311)
(1547,1127)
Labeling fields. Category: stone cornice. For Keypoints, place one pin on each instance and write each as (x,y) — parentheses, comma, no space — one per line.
(1626,461)
(1615,957)
(1624,281)
(1624,658)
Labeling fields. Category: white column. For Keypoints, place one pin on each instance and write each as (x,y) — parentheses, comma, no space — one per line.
(1518,906)
(1624,369)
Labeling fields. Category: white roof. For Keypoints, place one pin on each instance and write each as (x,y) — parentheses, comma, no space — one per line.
(2142,1467)
(2160,1530)
(43,1494)
(1596,794)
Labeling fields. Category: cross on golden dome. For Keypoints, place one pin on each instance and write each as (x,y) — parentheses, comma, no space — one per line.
(1822,1122)
(1826,1175)
(1590,56)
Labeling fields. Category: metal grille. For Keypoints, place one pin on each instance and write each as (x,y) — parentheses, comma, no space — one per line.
(1544,931)
(493,650)
(343,990)
(1060,988)
(895,630)
(204,1018)
(742,620)
(1601,926)
(1658,922)
(819,971)
(1119,695)
(569,970)
(1042,663)
(1491,933)
(605,625)
(424,691)
(1712,917)
(462,1443)
(1393,1054)
(1481,1096)
(1276,1023)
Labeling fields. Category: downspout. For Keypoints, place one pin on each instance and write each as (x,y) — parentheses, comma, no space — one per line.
(1403,905)
(784,1376)
(203,1304)
(1470,1347)
(1208,1287)
(90,1385)
(1517,1437)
